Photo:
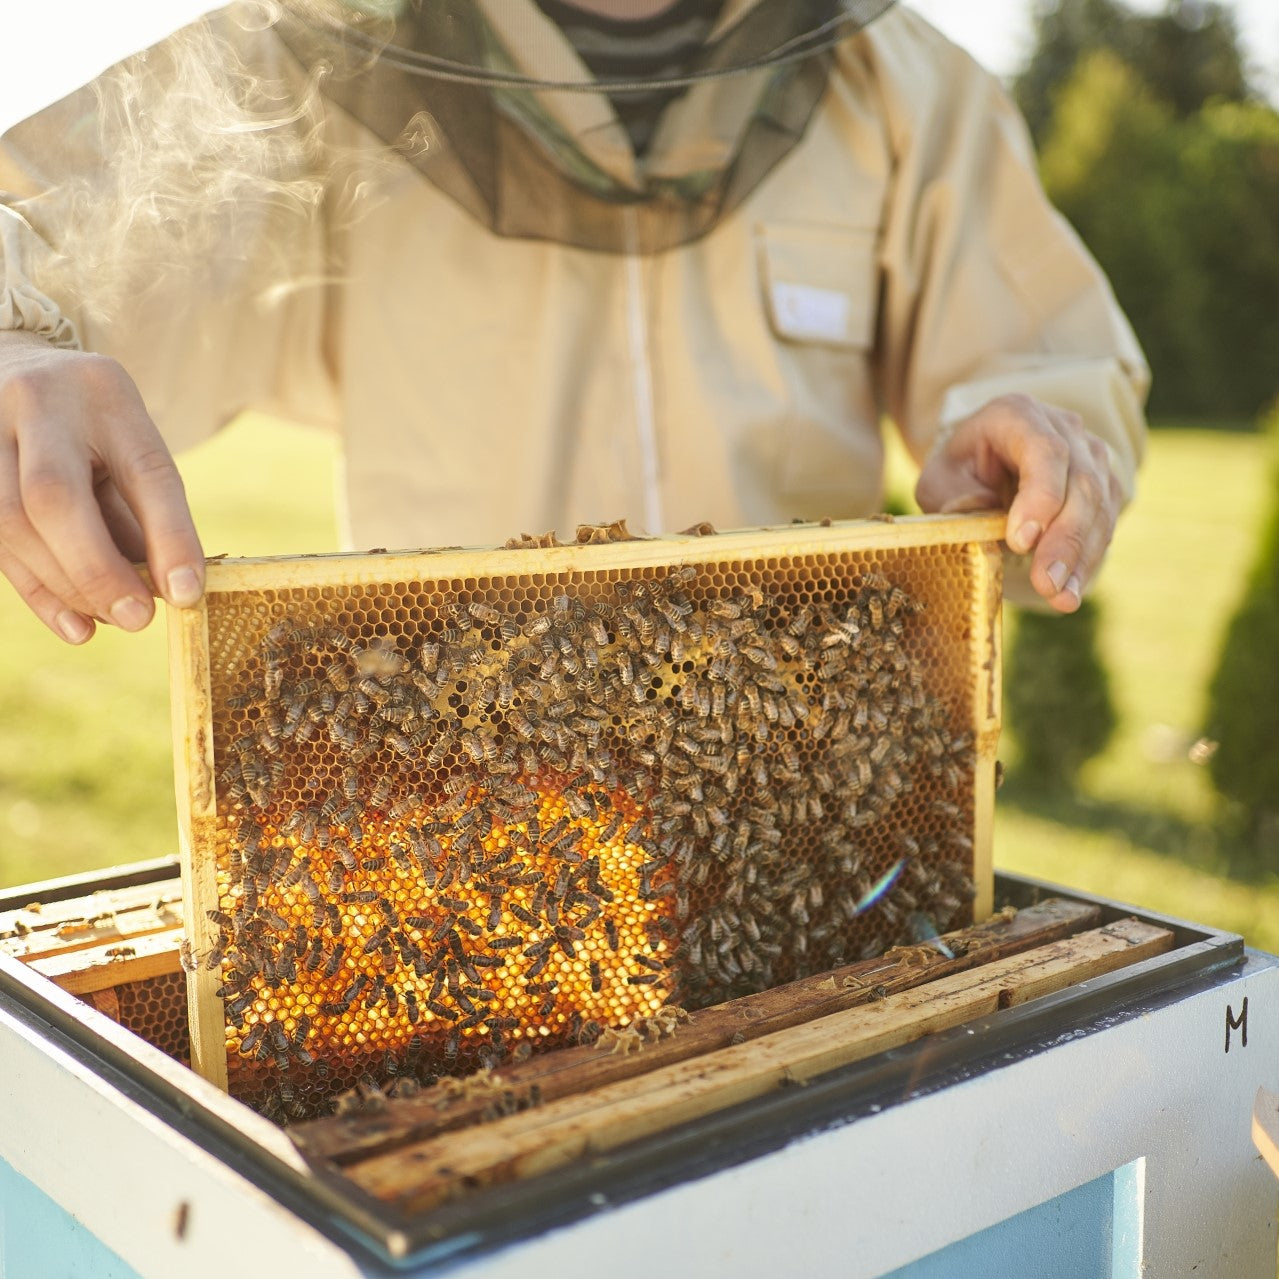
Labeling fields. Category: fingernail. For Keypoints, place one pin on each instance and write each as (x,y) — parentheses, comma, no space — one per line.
(1072,587)
(73,627)
(184,587)
(1024,538)
(1057,575)
(130,614)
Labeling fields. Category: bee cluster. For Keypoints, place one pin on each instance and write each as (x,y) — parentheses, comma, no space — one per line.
(454,833)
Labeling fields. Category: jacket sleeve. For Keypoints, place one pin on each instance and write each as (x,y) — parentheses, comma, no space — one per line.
(986,288)
(159,217)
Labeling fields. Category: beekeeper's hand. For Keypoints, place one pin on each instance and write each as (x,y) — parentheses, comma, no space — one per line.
(86,485)
(1049,473)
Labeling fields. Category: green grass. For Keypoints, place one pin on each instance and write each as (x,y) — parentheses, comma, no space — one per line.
(1144,826)
(86,779)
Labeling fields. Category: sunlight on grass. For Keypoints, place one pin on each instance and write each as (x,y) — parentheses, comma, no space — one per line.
(1108,864)
(1174,578)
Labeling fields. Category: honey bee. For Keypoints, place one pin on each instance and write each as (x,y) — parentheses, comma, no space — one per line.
(511,942)
(252,1038)
(236,1009)
(441,747)
(374,992)
(484,613)
(294,875)
(392,998)
(411,1009)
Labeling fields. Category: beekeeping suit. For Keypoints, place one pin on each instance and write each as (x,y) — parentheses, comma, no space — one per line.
(554,329)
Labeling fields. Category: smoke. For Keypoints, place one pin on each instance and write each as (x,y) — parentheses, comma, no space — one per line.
(207,155)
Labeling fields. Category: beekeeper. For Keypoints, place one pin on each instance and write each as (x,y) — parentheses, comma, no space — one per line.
(540,262)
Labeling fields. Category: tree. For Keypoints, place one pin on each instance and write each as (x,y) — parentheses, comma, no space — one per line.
(1110,163)
(1229,212)
(1065,30)
(1181,215)
(1188,55)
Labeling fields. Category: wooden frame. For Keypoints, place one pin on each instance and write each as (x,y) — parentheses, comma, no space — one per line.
(196,769)
(84,972)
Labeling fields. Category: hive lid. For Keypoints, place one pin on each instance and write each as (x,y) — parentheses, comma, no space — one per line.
(439,808)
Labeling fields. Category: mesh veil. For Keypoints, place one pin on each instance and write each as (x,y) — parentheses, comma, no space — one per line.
(490,103)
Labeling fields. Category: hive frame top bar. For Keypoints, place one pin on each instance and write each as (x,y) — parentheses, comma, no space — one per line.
(261,572)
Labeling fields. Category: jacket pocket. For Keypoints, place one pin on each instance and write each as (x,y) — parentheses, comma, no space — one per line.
(820,287)
(820,283)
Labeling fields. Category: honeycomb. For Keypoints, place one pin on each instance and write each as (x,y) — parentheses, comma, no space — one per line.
(156,1009)
(462,820)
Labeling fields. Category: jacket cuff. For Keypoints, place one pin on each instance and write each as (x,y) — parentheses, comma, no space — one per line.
(25,309)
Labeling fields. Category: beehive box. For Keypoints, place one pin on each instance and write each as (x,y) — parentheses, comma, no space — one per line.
(113,940)
(442,810)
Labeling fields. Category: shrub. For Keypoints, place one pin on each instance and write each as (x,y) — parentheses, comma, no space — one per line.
(1243,697)
(1057,703)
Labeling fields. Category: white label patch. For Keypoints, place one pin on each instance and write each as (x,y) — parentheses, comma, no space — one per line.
(803,311)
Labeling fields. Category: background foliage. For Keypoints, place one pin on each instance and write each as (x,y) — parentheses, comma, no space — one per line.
(1057,703)
(1156,149)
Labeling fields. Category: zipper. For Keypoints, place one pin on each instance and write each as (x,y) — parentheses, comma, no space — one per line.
(642,380)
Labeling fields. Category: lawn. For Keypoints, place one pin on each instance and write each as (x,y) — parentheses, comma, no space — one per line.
(1144,827)
(86,781)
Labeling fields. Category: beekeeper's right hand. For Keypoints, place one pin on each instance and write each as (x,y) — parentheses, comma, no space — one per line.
(86,486)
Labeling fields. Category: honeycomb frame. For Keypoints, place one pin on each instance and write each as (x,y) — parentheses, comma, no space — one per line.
(653,930)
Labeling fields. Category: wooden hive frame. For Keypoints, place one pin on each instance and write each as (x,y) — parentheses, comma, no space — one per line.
(113,939)
(971,541)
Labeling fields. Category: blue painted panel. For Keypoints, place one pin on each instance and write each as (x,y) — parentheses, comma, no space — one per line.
(1091,1232)
(1126,1232)
(41,1240)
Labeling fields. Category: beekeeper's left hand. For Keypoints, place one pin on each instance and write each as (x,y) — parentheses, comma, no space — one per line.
(1052,476)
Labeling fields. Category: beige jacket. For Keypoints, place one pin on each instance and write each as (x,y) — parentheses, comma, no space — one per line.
(901,260)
